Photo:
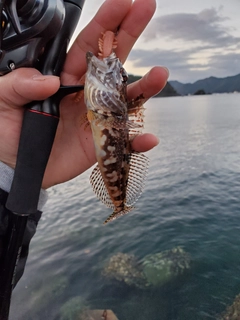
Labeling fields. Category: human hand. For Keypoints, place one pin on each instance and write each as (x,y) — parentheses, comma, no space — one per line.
(73,149)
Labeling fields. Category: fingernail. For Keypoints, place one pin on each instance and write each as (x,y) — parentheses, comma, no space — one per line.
(157,141)
(167,71)
(40,77)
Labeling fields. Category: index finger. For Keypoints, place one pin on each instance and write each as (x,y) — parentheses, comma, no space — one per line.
(132,19)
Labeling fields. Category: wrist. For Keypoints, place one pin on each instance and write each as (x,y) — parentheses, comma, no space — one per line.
(6,177)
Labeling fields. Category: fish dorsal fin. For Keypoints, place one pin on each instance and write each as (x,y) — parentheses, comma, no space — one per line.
(136,178)
(99,187)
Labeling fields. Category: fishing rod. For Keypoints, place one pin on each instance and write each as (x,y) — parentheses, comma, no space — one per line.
(33,33)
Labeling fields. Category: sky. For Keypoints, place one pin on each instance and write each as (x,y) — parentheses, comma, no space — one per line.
(193,39)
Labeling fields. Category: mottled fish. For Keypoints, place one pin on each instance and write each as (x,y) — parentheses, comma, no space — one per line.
(118,178)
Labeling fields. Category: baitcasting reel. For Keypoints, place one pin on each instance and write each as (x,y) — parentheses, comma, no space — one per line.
(26,28)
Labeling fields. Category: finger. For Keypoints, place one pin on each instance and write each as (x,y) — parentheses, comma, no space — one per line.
(24,85)
(133,25)
(149,85)
(108,17)
(153,82)
(132,19)
(144,142)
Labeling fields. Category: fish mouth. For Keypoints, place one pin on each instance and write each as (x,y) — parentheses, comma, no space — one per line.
(93,60)
(94,63)
(89,56)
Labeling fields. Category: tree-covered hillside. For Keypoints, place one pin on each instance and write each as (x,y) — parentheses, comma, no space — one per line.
(209,85)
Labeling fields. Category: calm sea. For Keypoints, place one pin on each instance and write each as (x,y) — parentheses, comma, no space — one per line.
(191,199)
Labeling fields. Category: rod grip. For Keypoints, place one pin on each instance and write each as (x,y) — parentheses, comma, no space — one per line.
(36,139)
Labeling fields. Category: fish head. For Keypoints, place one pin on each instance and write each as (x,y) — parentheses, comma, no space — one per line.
(107,71)
(105,84)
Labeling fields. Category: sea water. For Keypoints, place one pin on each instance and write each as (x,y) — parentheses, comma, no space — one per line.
(191,199)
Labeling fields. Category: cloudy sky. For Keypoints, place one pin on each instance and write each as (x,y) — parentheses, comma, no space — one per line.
(194,39)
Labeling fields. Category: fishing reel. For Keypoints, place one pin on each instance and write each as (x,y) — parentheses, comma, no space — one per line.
(26,27)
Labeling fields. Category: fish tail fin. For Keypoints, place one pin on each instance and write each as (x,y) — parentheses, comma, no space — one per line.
(118,213)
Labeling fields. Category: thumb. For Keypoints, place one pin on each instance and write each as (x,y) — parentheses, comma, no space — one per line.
(26,84)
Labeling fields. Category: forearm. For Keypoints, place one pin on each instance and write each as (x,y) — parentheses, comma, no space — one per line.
(6,176)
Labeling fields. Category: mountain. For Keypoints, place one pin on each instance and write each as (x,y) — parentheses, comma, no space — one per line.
(209,85)
(168,90)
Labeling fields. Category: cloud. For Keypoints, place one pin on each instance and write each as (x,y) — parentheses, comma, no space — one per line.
(184,66)
(197,45)
(230,61)
(146,58)
(205,27)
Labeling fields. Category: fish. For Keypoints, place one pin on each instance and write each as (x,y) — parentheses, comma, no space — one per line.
(119,176)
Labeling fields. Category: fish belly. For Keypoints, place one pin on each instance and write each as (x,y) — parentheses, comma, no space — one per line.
(112,148)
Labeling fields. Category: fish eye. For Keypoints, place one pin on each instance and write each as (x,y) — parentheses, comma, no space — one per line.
(98,72)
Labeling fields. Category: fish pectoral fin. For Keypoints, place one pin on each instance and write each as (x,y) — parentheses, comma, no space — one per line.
(99,187)
(117,123)
(105,121)
(131,125)
(136,103)
(84,121)
(136,115)
(138,168)
(112,122)
(116,214)
(136,177)
(80,95)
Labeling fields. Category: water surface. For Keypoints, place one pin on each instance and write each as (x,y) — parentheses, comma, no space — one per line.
(191,199)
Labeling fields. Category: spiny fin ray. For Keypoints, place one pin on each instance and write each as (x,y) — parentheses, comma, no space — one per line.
(136,177)
(99,187)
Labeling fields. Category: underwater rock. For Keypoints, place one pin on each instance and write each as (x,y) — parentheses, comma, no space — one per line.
(233,311)
(46,293)
(77,309)
(125,267)
(58,286)
(152,271)
(74,309)
(164,266)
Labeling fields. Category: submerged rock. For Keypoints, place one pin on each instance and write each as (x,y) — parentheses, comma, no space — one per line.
(45,293)
(78,309)
(74,309)
(164,266)
(233,311)
(125,267)
(153,270)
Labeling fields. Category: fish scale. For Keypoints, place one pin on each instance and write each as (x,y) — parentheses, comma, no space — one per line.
(119,176)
